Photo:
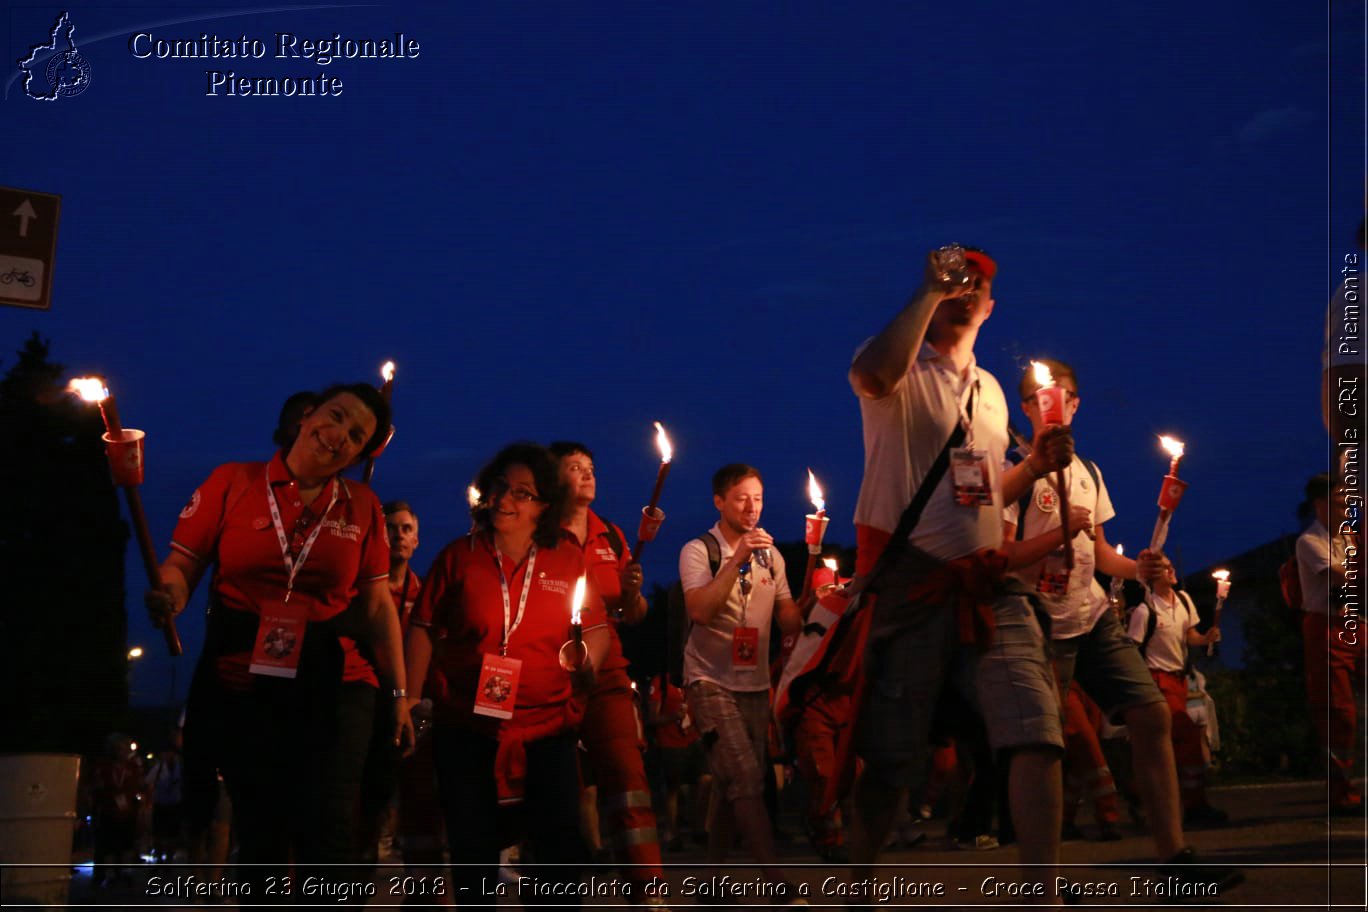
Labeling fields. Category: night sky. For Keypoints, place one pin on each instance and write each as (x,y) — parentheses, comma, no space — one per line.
(573,219)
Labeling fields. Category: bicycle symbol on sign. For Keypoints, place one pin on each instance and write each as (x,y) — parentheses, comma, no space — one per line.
(17,275)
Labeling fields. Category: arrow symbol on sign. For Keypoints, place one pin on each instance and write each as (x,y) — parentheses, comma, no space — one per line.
(25,212)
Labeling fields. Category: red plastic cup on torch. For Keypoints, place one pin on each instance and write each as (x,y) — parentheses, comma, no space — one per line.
(1050,401)
(814,530)
(651,516)
(1170,491)
(125,455)
(124,450)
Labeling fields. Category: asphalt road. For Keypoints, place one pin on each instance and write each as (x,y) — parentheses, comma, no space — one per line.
(1291,853)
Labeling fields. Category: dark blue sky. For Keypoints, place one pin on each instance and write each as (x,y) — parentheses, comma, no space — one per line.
(572,219)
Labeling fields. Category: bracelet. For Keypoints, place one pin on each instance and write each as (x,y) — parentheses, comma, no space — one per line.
(399,693)
(1030,468)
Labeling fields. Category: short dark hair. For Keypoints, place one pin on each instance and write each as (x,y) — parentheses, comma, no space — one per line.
(397,506)
(732,473)
(291,413)
(1058,369)
(545,470)
(562,448)
(370,397)
(1318,487)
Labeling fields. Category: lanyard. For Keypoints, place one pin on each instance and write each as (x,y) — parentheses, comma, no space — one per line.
(522,596)
(292,564)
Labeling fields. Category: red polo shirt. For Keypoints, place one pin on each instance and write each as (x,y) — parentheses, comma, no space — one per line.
(604,567)
(462,601)
(405,596)
(228,520)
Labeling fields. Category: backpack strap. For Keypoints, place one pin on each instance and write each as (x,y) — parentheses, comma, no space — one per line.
(614,538)
(897,542)
(714,551)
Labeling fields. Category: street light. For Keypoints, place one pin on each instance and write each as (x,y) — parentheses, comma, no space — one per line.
(135,653)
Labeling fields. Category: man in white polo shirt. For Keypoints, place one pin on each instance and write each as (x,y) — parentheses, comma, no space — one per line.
(733,587)
(945,613)
(1086,634)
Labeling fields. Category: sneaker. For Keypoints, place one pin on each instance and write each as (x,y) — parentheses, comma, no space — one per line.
(1190,869)
(1107,832)
(980,843)
(1204,815)
(1070,833)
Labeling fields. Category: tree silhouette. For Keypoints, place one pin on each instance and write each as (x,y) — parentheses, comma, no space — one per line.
(62,542)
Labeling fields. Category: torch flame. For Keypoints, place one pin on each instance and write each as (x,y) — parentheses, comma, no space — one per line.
(832,565)
(1222,575)
(663,443)
(1173,446)
(473,496)
(387,372)
(577,601)
(91,389)
(1043,377)
(815,492)
(1120,550)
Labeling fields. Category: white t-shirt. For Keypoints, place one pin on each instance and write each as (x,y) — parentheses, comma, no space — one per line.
(904,433)
(1317,552)
(1167,649)
(1075,611)
(708,650)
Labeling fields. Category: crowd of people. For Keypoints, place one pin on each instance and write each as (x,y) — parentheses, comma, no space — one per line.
(343,697)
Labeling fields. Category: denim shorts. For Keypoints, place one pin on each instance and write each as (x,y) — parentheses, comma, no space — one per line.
(1108,666)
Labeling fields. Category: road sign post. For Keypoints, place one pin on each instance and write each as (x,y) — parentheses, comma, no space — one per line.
(28,246)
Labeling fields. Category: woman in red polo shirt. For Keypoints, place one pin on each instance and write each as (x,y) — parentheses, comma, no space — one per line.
(292,545)
(498,601)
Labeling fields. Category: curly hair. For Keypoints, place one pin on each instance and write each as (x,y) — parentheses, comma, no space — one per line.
(545,471)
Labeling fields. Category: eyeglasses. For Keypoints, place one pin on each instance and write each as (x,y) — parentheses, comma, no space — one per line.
(519,495)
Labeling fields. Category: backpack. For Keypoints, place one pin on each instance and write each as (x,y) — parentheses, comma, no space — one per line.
(1289,580)
(677,623)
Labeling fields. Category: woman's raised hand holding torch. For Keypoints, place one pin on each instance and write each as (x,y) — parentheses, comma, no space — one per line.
(124,449)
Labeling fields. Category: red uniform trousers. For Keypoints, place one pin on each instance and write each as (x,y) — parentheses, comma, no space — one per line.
(814,741)
(1334,672)
(610,734)
(1089,777)
(1187,738)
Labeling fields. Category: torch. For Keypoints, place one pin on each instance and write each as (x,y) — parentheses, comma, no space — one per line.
(573,651)
(1050,401)
(651,517)
(1222,578)
(1170,492)
(124,449)
(814,528)
(387,393)
(1116,592)
(831,564)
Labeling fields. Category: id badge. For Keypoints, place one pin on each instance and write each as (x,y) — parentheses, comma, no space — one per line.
(969,475)
(746,647)
(280,635)
(497,692)
(1054,575)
